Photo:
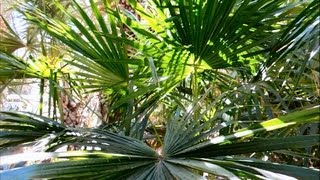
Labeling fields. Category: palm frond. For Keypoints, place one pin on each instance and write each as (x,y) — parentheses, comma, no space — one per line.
(126,157)
(80,164)
(9,40)
(85,39)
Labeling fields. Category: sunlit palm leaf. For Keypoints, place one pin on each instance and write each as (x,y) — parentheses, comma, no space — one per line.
(132,157)
(13,67)
(298,172)
(304,116)
(81,164)
(19,128)
(84,38)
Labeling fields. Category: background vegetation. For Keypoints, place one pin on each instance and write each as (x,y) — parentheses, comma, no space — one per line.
(182,89)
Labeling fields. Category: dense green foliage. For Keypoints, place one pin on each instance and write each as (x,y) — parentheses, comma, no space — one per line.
(225,79)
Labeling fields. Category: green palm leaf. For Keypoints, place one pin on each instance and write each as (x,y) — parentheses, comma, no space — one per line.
(9,40)
(125,157)
(81,164)
(174,41)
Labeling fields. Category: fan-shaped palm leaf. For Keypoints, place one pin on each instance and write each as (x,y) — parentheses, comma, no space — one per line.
(124,157)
